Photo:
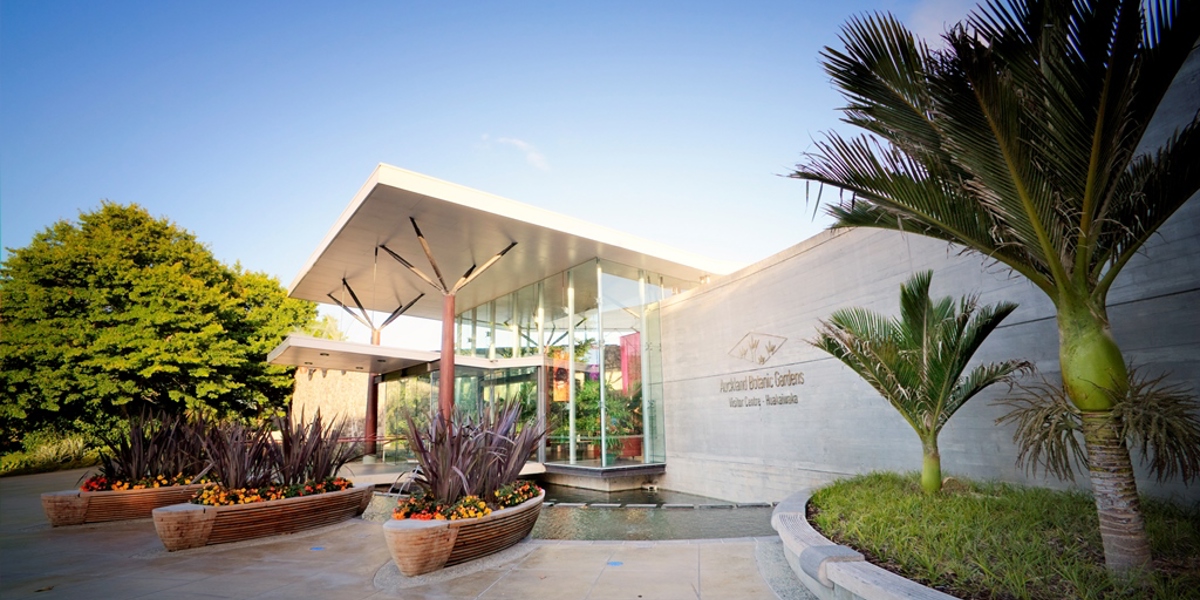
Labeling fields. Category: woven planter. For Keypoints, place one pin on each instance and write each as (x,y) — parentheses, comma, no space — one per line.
(420,547)
(185,526)
(76,507)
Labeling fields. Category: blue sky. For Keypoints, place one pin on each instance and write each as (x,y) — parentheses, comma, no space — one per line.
(253,124)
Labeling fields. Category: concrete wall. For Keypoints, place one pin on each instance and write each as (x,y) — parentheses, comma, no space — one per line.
(838,424)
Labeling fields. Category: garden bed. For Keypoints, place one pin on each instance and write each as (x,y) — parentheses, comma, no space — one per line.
(76,507)
(994,540)
(185,526)
(424,546)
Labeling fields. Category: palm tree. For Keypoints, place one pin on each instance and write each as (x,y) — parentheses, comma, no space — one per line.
(1020,141)
(916,361)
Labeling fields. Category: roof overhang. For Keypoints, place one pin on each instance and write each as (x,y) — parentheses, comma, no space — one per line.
(464,227)
(316,353)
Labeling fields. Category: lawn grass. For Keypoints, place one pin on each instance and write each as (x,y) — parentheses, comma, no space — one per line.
(999,541)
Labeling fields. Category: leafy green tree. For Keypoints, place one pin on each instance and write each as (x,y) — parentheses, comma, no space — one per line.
(122,312)
(266,315)
(325,327)
(916,361)
(1021,141)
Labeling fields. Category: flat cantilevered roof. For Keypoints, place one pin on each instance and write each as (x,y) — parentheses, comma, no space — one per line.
(464,227)
(317,353)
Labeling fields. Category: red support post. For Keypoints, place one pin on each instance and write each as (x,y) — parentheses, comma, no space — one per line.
(371,425)
(446,378)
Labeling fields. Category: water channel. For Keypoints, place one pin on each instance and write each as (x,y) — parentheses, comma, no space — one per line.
(578,514)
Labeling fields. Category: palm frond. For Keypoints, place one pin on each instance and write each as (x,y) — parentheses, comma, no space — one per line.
(982,377)
(983,118)
(1048,429)
(1169,36)
(1020,140)
(1160,419)
(1163,421)
(916,361)
(1146,195)
(881,72)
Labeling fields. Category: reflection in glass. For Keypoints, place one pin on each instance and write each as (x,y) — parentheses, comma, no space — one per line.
(598,384)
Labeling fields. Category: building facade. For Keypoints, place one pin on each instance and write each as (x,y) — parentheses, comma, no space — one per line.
(755,412)
(648,366)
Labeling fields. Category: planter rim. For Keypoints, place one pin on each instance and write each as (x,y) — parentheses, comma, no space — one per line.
(393,523)
(282,501)
(84,493)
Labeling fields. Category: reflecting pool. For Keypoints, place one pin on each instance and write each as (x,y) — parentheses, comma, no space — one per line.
(577,514)
(587,523)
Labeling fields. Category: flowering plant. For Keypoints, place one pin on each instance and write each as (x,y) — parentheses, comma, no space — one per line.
(469,507)
(100,483)
(420,506)
(516,492)
(424,507)
(216,495)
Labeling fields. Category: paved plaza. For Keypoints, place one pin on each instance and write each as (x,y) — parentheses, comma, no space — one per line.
(350,561)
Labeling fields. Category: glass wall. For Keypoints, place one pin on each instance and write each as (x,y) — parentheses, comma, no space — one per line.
(601,388)
(476,390)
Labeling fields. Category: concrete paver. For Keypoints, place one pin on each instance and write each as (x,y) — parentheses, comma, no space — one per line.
(125,560)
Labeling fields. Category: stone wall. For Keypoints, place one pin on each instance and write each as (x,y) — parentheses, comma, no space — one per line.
(752,327)
(338,394)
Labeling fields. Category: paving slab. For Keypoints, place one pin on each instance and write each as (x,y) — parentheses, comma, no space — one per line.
(350,561)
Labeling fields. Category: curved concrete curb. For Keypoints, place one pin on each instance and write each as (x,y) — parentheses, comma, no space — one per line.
(834,572)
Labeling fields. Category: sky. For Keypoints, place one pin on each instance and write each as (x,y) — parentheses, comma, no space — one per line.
(252,124)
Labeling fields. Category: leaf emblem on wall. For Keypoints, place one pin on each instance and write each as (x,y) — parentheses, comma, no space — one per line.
(757,348)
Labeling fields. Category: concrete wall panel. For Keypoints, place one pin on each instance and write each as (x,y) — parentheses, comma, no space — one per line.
(839,425)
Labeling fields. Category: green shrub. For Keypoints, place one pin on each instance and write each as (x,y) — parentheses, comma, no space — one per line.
(46,451)
(15,463)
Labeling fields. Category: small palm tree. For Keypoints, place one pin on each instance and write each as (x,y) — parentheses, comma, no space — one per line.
(1023,141)
(916,361)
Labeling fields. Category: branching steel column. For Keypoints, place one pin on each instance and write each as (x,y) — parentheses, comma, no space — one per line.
(446,362)
(371,422)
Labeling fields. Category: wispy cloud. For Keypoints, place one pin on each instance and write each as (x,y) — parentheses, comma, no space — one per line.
(532,156)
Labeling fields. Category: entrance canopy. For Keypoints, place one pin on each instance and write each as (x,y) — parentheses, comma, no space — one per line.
(316,353)
(463,227)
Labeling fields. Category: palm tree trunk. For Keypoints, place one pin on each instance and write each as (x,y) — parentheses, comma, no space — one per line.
(931,467)
(1094,376)
(1093,369)
(1122,529)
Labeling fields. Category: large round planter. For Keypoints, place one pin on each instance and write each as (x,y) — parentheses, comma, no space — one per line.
(185,526)
(420,547)
(76,507)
